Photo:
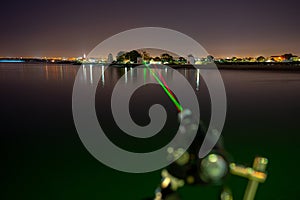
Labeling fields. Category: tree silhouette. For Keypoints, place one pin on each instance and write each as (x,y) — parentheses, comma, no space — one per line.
(146,56)
(166,58)
(182,60)
(157,59)
(210,58)
(132,56)
(260,59)
(121,56)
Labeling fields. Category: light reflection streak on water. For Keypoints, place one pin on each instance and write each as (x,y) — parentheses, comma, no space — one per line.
(84,73)
(192,75)
(126,76)
(198,79)
(91,74)
(61,72)
(102,75)
(130,74)
(47,72)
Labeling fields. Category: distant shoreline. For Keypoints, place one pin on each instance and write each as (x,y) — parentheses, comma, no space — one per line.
(286,66)
(232,66)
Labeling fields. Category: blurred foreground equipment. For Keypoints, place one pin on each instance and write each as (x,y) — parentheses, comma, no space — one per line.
(212,170)
(256,174)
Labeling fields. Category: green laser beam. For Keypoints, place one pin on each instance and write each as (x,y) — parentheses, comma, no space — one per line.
(177,104)
(145,75)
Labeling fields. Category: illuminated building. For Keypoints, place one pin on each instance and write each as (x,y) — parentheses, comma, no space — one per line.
(190,59)
(277,58)
(110,58)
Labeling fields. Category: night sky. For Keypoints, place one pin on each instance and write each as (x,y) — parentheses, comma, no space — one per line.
(224,28)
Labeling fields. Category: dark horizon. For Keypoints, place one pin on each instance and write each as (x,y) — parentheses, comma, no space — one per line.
(225,29)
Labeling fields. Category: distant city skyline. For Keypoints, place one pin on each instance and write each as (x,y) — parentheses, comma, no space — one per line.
(224,28)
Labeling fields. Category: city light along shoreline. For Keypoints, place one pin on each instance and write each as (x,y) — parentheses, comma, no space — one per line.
(284,62)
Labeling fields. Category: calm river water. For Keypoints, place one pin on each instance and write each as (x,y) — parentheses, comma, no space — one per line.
(42,156)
